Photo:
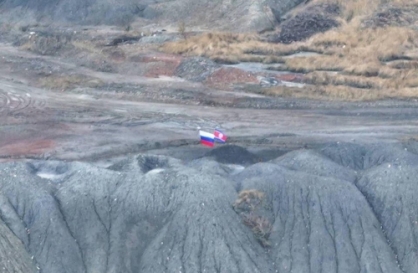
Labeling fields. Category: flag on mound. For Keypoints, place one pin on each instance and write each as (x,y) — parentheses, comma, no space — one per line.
(207,139)
(219,135)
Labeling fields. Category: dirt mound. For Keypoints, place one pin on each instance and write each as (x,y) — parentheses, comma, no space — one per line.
(314,163)
(233,154)
(196,68)
(312,20)
(313,217)
(391,190)
(157,214)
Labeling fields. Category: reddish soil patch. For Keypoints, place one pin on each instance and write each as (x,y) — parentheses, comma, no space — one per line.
(227,75)
(26,148)
(117,56)
(161,69)
(158,64)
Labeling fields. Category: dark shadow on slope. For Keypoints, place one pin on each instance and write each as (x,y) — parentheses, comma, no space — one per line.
(151,162)
(314,19)
(56,171)
(233,154)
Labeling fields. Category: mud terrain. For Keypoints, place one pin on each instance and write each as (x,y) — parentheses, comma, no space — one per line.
(102,171)
(53,107)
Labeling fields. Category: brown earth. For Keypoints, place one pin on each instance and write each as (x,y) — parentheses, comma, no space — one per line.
(128,113)
(26,148)
(73,94)
(224,77)
(65,106)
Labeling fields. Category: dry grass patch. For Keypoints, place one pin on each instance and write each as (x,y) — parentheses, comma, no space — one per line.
(47,44)
(323,78)
(308,64)
(341,93)
(231,48)
(66,82)
(355,43)
(371,63)
(87,46)
(249,205)
(403,79)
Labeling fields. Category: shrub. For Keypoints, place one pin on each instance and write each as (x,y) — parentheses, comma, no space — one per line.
(248,204)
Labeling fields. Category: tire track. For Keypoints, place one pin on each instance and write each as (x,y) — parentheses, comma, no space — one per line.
(12,103)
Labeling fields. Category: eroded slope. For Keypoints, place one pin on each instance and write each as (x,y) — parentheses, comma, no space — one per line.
(150,213)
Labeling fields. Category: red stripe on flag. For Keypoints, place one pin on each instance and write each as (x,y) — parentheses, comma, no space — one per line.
(207,143)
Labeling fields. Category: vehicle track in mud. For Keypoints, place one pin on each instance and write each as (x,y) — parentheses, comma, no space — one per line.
(12,102)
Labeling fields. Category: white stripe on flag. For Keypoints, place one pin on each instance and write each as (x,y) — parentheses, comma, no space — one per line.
(206,134)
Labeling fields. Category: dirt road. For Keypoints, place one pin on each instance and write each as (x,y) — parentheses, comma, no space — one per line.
(164,113)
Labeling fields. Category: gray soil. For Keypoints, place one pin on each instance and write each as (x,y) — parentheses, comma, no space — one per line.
(244,15)
(111,177)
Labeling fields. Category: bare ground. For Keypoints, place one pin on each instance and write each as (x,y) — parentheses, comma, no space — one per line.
(146,213)
(106,114)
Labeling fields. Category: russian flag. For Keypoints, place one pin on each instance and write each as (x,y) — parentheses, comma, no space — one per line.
(207,139)
(219,135)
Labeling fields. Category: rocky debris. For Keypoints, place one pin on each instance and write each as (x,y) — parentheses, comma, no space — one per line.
(196,69)
(312,20)
(390,15)
(150,213)
(267,81)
